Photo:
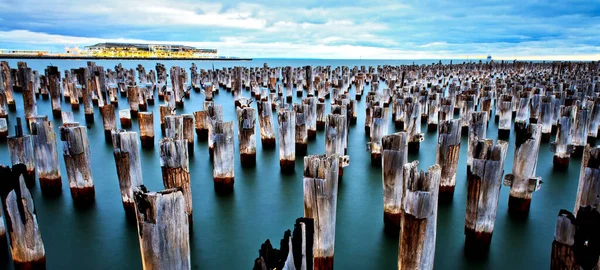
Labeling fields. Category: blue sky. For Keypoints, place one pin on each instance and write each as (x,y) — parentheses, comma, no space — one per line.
(316,29)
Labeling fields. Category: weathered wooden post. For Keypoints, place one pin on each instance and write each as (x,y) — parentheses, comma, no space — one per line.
(311,116)
(125,118)
(467,109)
(29,102)
(129,167)
(320,204)
(378,130)
(336,139)
(223,163)
(201,125)
(433,106)
(133,97)
(20,149)
(412,124)
(164,111)
(146,122)
(8,85)
(522,181)
(547,116)
(77,156)
(287,134)
(246,127)
(296,251)
(301,132)
(588,191)
(3,129)
(321,116)
(109,120)
(54,88)
(174,127)
(582,122)
(163,229)
(594,123)
(562,146)
(573,246)
(446,110)
(46,158)
(416,247)
(448,150)
(174,164)
(188,132)
(26,243)
(214,113)
(521,118)
(483,193)
(395,155)
(477,131)
(505,116)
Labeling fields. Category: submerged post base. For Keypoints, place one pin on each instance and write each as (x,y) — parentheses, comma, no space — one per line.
(561,163)
(223,184)
(518,207)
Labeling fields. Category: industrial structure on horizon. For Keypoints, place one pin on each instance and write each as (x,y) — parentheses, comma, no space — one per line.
(112,50)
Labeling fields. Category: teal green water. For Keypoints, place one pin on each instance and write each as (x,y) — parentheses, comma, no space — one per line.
(228,229)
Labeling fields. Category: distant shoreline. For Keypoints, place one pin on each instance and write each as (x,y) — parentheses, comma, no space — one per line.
(64,57)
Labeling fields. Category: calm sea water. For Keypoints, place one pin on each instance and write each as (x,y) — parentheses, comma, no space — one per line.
(229,229)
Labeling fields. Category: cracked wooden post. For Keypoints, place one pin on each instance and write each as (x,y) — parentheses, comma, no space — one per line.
(46,158)
(246,136)
(433,105)
(482,197)
(77,157)
(20,150)
(26,243)
(562,146)
(109,120)
(3,129)
(163,228)
(287,134)
(174,163)
(133,97)
(125,118)
(588,190)
(336,138)
(412,124)
(547,116)
(86,94)
(521,118)
(301,133)
(466,111)
(29,102)
(146,123)
(447,155)
(188,132)
(504,116)
(320,204)
(201,125)
(582,122)
(446,110)
(54,88)
(594,123)
(395,155)
(321,116)
(214,114)
(571,248)
(311,116)
(416,247)
(534,108)
(8,85)
(129,167)
(477,131)
(174,127)
(398,112)
(224,161)
(523,181)
(378,130)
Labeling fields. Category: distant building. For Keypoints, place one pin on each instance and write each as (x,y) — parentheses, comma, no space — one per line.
(147,50)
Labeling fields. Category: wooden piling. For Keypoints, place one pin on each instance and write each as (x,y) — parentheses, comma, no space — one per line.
(109,120)
(296,250)
(164,111)
(214,114)
(201,125)
(336,139)
(301,133)
(433,105)
(547,116)
(246,126)
(311,116)
(188,132)
(174,162)
(482,197)
(395,155)
(573,246)
(125,118)
(26,243)
(146,123)
(20,150)
(287,134)
(594,123)
(467,109)
(54,88)
(3,129)
(129,167)
(447,154)
(46,158)
(522,181)
(133,97)
(477,131)
(588,190)
(582,122)
(416,247)
(504,116)
(223,163)
(321,116)
(378,130)
(320,204)
(163,229)
(412,124)
(5,73)
(521,118)
(77,156)
(562,146)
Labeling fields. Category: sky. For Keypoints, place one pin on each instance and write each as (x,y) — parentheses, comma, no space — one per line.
(374,29)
